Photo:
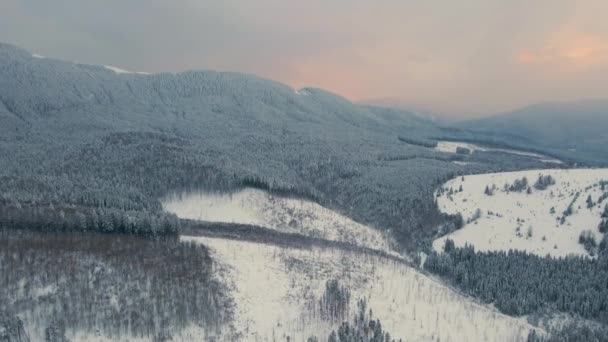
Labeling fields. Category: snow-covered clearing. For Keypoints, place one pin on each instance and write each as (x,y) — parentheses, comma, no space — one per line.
(117,70)
(257,207)
(518,220)
(123,71)
(461,163)
(275,290)
(452,146)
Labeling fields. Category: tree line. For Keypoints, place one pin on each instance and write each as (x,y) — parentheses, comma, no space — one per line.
(519,283)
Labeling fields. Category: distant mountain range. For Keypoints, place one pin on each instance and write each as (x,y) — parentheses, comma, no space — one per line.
(578,130)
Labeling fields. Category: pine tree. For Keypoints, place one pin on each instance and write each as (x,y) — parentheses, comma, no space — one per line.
(603,226)
(589,202)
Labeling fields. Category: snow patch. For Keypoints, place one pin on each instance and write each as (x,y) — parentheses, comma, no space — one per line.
(38,56)
(528,222)
(289,215)
(301,92)
(274,289)
(118,70)
(122,71)
(452,146)
(461,163)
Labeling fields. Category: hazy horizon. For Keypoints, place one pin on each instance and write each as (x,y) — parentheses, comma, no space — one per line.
(456,60)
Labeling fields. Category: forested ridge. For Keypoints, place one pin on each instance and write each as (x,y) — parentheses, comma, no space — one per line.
(83,138)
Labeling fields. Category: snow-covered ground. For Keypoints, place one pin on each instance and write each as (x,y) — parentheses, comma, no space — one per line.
(275,288)
(257,207)
(451,146)
(117,70)
(123,71)
(461,163)
(518,220)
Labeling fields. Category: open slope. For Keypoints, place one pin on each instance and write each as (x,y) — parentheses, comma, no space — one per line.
(290,215)
(276,288)
(276,291)
(532,221)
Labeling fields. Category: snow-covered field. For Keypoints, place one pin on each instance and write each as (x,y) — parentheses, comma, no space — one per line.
(518,220)
(257,207)
(451,146)
(274,289)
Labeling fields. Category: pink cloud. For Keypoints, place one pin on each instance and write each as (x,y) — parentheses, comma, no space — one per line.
(568,48)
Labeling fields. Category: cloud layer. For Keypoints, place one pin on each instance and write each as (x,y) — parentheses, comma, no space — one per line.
(463,58)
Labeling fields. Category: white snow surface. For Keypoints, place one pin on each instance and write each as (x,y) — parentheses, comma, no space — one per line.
(123,71)
(291,215)
(451,146)
(117,70)
(275,290)
(38,56)
(497,228)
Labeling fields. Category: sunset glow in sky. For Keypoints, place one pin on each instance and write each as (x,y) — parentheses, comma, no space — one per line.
(458,58)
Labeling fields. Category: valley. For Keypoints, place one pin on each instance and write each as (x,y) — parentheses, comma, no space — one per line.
(221,206)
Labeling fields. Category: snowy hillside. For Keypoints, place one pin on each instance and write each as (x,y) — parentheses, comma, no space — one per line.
(257,207)
(502,211)
(275,290)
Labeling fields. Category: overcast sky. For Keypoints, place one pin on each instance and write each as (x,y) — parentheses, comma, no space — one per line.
(460,58)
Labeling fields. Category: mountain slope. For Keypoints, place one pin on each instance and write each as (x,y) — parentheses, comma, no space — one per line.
(86,136)
(105,143)
(573,129)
